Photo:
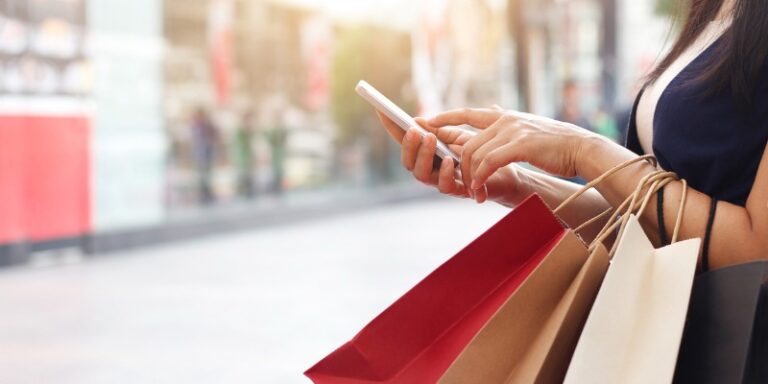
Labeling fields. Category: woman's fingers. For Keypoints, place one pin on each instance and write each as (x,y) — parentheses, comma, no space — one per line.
(480,153)
(468,154)
(492,162)
(418,153)
(454,135)
(480,118)
(481,194)
(409,148)
(477,150)
(448,135)
(422,169)
(423,123)
(455,148)
(393,129)
(446,182)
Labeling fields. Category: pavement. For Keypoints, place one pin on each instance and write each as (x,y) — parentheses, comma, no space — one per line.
(254,306)
(263,211)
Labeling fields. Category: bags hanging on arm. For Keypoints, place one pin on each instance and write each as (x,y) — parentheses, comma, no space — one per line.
(418,337)
(633,332)
(532,336)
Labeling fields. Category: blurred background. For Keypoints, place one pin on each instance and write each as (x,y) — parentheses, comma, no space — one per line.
(128,124)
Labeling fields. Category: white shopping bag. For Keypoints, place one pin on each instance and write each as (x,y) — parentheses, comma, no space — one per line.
(635,326)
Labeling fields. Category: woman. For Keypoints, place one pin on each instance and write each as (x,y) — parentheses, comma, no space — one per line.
(703,113)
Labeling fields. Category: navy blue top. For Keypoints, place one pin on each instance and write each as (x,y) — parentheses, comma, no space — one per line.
(710,141)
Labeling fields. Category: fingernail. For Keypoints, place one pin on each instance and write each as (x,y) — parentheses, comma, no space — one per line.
(474,185)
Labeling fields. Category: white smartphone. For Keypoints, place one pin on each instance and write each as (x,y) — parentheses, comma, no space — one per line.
(400,117)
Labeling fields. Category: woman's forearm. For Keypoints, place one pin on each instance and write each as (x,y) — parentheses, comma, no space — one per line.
(739,233)
(554,191)
(735,238)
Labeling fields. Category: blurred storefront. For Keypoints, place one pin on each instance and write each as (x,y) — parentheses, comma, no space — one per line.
(82,145)
(461,55)
(592,51)
(128,145)
(45,90)
(124,114)
(258,89)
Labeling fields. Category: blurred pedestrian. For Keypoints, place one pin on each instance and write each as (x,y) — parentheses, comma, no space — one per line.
(243,155)
(570,111)
(277,137)
(204,140)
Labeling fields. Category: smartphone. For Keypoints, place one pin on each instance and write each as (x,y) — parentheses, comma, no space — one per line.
(402,119)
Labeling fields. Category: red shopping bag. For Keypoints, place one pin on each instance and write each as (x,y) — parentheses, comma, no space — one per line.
(418,337)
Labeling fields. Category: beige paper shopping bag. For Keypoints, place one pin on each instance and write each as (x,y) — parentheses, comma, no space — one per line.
(634,330)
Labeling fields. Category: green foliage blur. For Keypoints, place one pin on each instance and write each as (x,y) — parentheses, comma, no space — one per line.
(380,57)
(671,8)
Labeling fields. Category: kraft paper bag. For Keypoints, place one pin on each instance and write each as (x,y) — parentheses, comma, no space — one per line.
(633,332)
(531,338)
(419,336)
(726,334)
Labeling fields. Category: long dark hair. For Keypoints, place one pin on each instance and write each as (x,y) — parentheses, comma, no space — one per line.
(741,54)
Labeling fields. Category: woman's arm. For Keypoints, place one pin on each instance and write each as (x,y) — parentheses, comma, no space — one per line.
(739,234)
(554,191)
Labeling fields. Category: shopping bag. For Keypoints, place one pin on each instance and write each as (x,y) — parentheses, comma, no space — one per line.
(418,337)
(726,334)
(633,332)
(531,338)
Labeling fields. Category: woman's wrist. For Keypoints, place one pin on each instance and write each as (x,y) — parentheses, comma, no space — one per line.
(516,187)
(592,157)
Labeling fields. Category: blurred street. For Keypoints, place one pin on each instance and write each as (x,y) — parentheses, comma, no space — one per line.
(259,306)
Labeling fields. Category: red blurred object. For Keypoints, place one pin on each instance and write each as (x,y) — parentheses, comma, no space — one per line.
(220,36)
(12,159)
(317,41)
(417,338)
(44,177)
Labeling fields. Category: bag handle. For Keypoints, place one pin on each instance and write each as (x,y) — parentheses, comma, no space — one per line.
(623,207)
(654,182)
(680,211)
(601,178)
(660,180)
(650,158)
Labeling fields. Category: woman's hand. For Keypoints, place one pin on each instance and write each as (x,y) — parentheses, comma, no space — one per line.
(418,153)
(507,137)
